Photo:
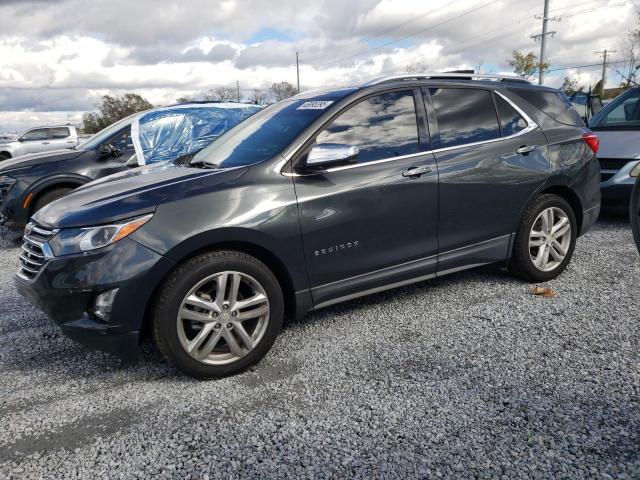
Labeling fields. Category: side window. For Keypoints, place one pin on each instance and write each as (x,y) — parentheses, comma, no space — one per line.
(60,132)
(555,104)
(122,141)
(626,113)
(511,122)
(464,115)
(37,134)
(383,126)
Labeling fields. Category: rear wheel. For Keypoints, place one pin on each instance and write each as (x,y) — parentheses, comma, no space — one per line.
(545,239)
(48,197)
(218,314)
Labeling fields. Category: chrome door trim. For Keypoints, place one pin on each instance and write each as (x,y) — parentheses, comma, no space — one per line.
(531,125)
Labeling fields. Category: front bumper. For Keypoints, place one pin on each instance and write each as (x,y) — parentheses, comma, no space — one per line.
(616,190)
(65,289)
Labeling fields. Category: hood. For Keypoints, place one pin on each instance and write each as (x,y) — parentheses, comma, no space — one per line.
(38,158)
(129,194)
(622,144)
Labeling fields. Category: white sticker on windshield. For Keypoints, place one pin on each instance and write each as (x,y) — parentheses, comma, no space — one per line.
(319,105)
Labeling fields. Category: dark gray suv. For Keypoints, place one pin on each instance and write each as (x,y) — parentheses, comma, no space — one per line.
(315,200)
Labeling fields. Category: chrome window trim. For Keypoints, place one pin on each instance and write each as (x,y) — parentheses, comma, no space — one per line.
(531,125)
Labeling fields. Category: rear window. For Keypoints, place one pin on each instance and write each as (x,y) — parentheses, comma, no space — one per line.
(554,104)
(511,122)
(60,132)
(464,116)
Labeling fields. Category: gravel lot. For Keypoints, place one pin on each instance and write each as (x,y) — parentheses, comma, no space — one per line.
(466,376)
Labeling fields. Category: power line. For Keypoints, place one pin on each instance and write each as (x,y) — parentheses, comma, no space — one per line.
(430,27)
(369,37)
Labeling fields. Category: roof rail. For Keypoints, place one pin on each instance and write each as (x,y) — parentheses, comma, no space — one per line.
(444,76)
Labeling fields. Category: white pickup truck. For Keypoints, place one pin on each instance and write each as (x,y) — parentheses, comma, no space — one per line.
(39,139)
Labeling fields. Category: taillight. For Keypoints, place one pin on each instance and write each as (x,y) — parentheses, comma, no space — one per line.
(591,139)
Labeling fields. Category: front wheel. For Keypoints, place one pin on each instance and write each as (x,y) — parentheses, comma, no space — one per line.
(545,239)
(218,314)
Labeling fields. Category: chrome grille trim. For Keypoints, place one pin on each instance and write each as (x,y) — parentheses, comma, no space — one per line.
(35,251)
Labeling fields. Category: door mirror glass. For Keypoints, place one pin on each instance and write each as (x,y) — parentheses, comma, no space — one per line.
(327,154)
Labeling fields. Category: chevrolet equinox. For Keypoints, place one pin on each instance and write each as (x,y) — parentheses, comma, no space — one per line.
(318,199)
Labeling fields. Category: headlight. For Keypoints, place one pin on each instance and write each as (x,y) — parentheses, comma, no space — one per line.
(635,171)
(77,240)
(6,181)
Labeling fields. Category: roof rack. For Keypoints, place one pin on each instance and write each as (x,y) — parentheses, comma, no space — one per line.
(445,76)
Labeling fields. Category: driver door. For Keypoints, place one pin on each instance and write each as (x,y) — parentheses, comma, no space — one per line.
(35,141)
(371,224)
(118,159)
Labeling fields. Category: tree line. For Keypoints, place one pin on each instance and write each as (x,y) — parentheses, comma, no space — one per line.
(114,108)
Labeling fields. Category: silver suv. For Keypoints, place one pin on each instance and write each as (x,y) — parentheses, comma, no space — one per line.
(40,139)
(617,125)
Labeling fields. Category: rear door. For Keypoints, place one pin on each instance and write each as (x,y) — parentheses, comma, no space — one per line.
(491,157)
(372,224)
(61,138)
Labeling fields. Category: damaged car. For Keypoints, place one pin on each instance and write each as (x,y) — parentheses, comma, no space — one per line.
(29,182)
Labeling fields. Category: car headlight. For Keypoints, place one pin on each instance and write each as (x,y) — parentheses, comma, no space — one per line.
(78,240)
(6,181)
(635,171)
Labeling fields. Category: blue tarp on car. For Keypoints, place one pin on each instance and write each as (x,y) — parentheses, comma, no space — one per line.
(170,132)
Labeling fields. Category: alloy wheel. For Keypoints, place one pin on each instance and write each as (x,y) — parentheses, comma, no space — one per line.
(223,318)
(549,239)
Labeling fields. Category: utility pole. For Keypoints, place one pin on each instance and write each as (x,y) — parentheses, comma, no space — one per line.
(604,54)
(298,71)
(543,36)
(238,88)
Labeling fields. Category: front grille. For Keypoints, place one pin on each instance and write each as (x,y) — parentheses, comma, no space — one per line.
(34,251)
(606,176)
(612,163)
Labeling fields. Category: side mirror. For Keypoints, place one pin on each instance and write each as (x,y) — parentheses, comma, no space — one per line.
(328,154)
(21,139)
(132,162)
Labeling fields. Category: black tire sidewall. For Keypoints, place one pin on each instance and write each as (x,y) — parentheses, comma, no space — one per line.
(183,280)
(49,197)
(523,263)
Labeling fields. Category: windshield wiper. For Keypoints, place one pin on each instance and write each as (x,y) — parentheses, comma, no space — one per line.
(204,164)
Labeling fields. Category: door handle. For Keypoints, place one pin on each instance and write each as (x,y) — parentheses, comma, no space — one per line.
(525,149)
(415,172)
(45,143)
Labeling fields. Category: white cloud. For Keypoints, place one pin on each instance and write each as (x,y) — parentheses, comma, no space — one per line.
(62,56)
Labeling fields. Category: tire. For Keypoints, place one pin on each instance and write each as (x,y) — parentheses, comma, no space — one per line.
(189,313)
(48,197)
(4,156)
(634,213)
(526,250)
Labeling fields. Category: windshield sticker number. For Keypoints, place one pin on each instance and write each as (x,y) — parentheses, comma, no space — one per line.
(319,105)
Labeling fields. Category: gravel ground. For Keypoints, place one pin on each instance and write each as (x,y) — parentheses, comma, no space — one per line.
(466,376)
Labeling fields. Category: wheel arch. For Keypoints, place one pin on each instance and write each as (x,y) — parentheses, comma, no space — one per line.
(51,183)
(571,197)
(266,255)
(6,154)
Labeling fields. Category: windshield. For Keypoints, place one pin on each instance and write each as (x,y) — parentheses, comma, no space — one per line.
(173,132)
(624,111)
(106,133)
(264,135)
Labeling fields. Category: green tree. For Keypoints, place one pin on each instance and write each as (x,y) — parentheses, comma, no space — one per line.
(113,109)
(526,65)
(570,86)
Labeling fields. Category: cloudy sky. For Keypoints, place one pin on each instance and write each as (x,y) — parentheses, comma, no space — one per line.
(58,57)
